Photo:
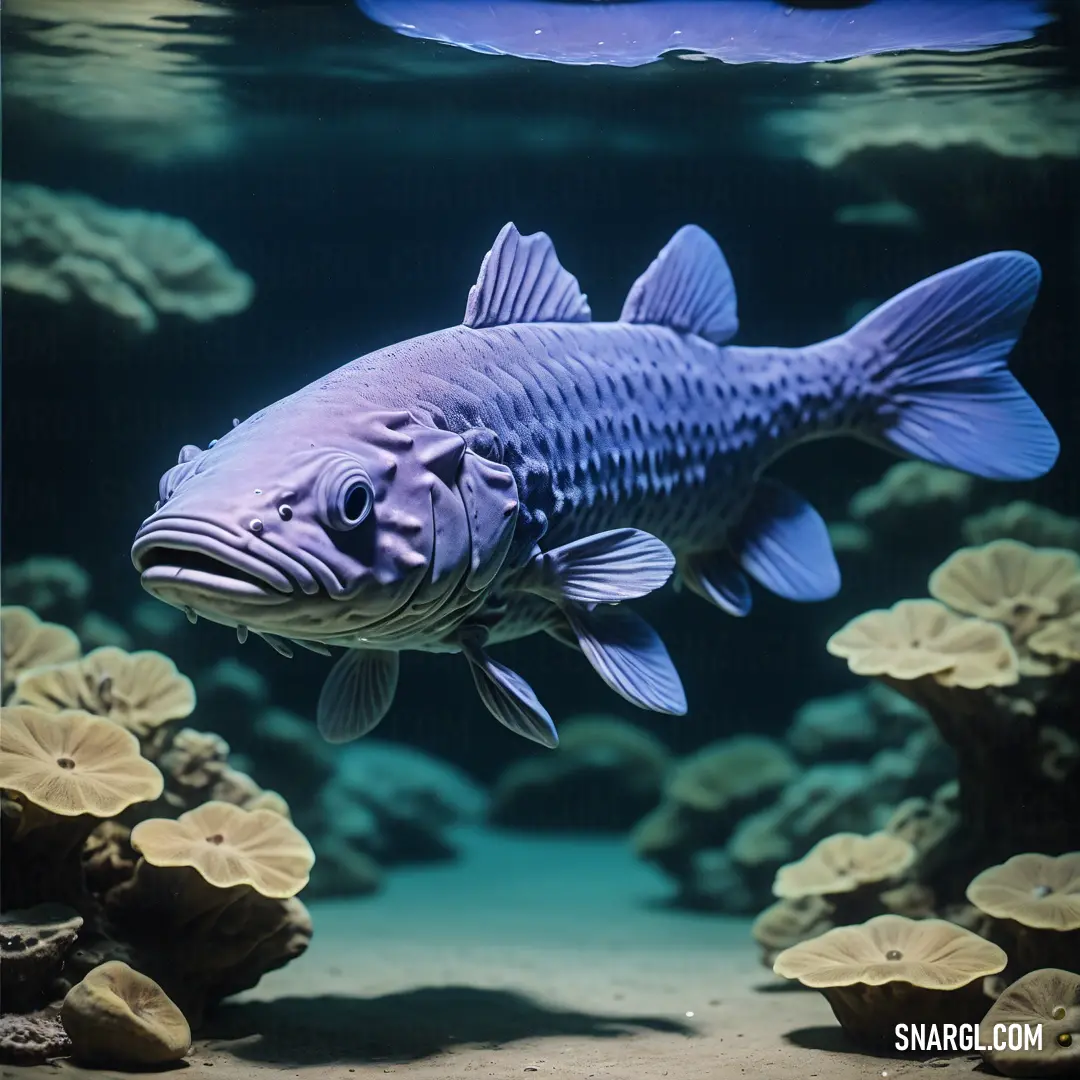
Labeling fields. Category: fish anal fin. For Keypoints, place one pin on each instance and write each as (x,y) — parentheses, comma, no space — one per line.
(783,543)
(715,576)
(688,287)
(357,694)
(522,281)
(627,653)
(603,568)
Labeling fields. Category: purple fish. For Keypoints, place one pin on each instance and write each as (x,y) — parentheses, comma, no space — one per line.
(531,469)
(628,34)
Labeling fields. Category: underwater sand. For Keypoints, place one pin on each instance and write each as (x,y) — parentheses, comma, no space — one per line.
(526,957)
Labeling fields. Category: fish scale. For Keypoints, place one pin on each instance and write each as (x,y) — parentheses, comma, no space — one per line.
(531,470)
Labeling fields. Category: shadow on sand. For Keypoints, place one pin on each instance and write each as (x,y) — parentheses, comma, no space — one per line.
(834,1040)
(402,1027)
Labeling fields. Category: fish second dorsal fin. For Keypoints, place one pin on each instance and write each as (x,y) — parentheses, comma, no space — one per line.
(688,287)
(522,281)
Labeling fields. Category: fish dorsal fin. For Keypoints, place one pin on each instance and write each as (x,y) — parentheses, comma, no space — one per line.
(522,281)
(688,287)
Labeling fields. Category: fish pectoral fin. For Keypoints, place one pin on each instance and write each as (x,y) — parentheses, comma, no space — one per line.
(629,656)
(522,281)
(357,694)
(688,287)
(604,568)
(715,576)
(783,543)
(508,697)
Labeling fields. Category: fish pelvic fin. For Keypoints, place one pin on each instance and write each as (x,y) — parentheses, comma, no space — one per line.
(937,376)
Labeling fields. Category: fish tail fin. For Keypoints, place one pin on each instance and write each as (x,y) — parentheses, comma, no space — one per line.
(937,377)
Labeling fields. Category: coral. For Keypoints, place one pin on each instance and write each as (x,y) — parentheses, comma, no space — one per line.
(604,775)
(71,764)
(397,804)
(1048,999)
(893,970)
(854,726)
(33,945)
(26,642)
(230,846)
(96,630)
(1023,521)
(705,797)
(787,922)
(845,864)
(117,1017)
(140,691)
(1008,582)
(915,638)
(930,825)
(32,1038)
(1015,739)
(1036,900)
(134,264)
(82,793)
(53,587)
(910,495)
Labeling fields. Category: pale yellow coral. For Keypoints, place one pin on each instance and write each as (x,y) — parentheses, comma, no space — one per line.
(916,638)
(26,642)
(140,690)
(72,763)
(1012,583)
(230,846)
(1038,891)
(843,863)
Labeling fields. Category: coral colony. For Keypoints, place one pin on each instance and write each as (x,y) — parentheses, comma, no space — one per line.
(918,838)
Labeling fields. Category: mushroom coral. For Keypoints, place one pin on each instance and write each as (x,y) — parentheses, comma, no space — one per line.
(230,846)
(1047,999)
(26,642)
(1016,739)
(140,690)
(62,772)
(1036,899)
(893,970)
(117,1017)
(71,764)
(1014,584)
(918,638)
(787,922)
(847,869)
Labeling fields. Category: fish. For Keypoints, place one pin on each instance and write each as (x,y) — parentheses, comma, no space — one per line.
(624,34)
(533,470)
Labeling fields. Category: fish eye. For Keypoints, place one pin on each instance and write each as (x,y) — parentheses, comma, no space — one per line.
(348,495)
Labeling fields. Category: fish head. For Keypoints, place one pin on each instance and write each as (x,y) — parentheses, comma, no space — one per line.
(321,525)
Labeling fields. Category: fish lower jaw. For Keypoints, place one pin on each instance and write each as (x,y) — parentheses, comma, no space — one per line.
(198,589)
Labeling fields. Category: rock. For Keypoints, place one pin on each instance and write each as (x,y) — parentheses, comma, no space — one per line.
(33,945)
(32,1038)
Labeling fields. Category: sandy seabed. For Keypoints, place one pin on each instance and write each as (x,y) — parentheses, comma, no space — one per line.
(527,957)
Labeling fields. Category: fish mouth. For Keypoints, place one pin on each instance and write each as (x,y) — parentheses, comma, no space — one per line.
(177,567)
